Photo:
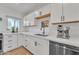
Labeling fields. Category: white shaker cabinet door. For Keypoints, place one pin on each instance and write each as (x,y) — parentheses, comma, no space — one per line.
(56,12)
(42,47)
(26,41)
(20,39)
(71,11)
(31,45)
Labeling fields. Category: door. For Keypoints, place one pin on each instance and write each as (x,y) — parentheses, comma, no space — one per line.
(42,47)
(20,39)
(67,51)
(31,44)
(56,49)
(56,12)
(61,50)
(71,11)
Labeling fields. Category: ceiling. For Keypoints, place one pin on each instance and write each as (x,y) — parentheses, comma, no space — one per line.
(21,8)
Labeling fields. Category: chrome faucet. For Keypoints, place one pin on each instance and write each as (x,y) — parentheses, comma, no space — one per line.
(43,31)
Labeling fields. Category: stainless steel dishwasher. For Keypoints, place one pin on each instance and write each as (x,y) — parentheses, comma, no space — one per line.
(56,48)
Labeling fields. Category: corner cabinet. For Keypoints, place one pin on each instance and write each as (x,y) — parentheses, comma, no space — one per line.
(21,38)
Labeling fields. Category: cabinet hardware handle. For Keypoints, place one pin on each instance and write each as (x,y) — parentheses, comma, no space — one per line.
(25,40)
(35,43)
(9,40)
(9,36)
(25,45)
(61,18)
(9,46)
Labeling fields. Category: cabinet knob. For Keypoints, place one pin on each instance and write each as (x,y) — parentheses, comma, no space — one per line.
(9,35)
(62,18)
(9,40)
(35,43)
(25,40)
(9,46)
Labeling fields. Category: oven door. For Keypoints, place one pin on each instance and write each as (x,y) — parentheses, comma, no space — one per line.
(0,45)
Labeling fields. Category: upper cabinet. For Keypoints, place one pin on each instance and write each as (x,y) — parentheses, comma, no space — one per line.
(71,11)
(43,13)
(56,12)
(29,20)
(44,10)
(65,13)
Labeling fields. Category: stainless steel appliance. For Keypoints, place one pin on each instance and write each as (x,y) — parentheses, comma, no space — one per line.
(1,37)
(63,32)
(56,48)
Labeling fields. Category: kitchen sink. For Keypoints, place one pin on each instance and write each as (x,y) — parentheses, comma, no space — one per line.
(41,35)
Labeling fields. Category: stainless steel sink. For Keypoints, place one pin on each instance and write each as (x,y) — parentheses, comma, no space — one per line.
(41,35)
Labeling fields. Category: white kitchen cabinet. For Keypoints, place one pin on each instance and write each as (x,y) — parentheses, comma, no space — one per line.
(21,38)
(44,10)
(30,44)
(42,47)
(36,45)
(67,11)
(26,41)
(9,42)
(9,47)
(29,20)
(56,12)
(71,11)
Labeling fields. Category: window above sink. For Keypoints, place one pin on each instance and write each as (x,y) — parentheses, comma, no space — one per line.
(13,24)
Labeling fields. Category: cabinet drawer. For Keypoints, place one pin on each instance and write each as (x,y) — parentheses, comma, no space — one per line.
(8,37)
(9,41)
(9,47)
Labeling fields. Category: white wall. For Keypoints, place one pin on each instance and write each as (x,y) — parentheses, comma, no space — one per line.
(3,14)
(44,9)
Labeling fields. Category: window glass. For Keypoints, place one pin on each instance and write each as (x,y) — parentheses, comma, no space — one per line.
(13,24)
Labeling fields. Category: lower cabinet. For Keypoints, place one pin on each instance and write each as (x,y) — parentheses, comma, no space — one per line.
(21,38)
(9,42)
(37,46)
(31,45)
(42,47)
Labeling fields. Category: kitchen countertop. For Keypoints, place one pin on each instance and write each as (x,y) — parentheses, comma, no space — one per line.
(8,33)
(65,41)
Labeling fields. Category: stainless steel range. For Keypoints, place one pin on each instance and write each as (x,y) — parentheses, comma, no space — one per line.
(1,38)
